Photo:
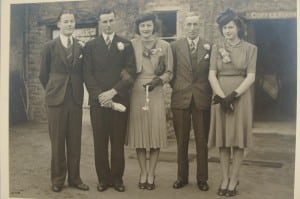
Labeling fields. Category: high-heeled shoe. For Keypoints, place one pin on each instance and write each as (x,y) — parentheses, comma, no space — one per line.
(142,185)
(151,186)
(233,192)
(222,192)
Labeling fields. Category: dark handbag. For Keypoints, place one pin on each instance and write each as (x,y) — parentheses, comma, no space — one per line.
(161,67)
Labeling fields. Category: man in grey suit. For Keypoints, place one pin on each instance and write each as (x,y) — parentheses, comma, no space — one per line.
(61,77)
(191,100)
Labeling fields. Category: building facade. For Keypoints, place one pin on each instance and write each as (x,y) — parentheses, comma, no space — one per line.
(271,25)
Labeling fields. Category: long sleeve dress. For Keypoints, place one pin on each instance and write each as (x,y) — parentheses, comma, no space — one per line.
(148,129)
(233,129)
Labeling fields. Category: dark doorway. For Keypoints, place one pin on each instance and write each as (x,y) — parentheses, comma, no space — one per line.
(276,79)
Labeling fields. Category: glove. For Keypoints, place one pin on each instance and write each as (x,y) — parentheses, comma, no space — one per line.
(217,99)
(227,104)
(154,82)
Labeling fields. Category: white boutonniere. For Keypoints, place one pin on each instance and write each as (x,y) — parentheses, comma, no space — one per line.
(80,56)
(225,55)
(207,48)
(120,46)
(81,43)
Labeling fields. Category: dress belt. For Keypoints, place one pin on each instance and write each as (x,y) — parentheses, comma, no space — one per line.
(232,74)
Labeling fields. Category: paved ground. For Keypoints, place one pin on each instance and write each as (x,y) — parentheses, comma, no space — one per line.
(268,171)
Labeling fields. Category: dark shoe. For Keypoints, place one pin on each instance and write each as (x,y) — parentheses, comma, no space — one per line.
(102,187)
(142,185)
(179,184)
(203,186)
(119,187)
(222,192)
(81,186)
(233,192)
(56,188)
(151,186)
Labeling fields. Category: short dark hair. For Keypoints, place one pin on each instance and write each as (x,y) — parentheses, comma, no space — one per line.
(66,11)
(228,16)
(105,11)
(146,17)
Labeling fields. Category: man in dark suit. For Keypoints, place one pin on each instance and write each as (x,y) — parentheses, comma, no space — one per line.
(109,70)
(191,99)
(61,77)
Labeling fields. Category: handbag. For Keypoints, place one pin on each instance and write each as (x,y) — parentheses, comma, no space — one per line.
(161,66)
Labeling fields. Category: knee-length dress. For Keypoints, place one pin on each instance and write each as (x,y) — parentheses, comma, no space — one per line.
(148,129)
(233,128)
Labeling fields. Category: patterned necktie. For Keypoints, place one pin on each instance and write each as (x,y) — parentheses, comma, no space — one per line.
(193,47)
(108,42)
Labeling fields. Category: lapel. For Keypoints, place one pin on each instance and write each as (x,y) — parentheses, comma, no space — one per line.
(201,52)
(61,50)
(185,51)
(76,51)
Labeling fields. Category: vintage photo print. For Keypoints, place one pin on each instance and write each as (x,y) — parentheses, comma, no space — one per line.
(149,98)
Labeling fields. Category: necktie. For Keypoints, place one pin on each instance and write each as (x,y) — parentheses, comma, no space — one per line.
(193,47)
(68,42)
(108,42)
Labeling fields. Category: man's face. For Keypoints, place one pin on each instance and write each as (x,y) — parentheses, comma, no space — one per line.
(66,24)
(192,26)
(107,23)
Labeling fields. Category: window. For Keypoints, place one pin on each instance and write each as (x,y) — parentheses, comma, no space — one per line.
(167,23)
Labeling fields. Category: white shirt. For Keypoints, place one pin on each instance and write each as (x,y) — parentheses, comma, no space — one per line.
(64,40)
(194,40)
(111,36)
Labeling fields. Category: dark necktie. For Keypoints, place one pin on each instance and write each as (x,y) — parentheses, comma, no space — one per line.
(69,42)
(108,42)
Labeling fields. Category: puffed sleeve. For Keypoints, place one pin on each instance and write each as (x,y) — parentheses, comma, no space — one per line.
(252,57)
(168,74)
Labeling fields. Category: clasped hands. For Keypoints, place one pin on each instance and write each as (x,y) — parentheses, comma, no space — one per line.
(227,102)
(153,83)
(105,98)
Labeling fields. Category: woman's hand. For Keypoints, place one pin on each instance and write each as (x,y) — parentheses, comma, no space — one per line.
(154,82)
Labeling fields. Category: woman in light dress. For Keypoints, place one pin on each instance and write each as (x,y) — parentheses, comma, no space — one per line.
(232,74)
(147,127)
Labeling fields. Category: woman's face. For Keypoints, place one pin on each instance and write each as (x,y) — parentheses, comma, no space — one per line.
(230,31)
(146,28)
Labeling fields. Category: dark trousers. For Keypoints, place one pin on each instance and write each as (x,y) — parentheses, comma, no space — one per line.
(65,122)
(182,126)
(109,125)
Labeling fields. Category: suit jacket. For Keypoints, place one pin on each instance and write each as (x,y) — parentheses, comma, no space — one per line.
(104,68)
(56,73)
(190,82)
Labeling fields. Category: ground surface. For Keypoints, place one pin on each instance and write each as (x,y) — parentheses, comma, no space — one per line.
(268,171)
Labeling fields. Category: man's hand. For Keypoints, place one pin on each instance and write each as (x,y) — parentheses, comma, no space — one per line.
(106,96)
(108,104)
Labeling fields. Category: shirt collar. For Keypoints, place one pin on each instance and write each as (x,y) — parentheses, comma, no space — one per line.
(194,40)
(111,36)
(64,40)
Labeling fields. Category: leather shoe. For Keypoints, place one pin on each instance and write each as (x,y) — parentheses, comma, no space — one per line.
(203,186)
(179,184)
(56,188)
(102,187)
(81,186)
(119,187)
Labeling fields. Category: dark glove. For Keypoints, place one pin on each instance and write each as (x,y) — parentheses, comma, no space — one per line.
(227,104)
(217,99)
(154,82)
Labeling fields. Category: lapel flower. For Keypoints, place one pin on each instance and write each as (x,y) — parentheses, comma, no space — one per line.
(80,56)
(148,52)
(206,47)
(81,43)
(225,55)
(120,46)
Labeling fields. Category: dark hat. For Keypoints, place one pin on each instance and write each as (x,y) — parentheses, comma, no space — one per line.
(226,16)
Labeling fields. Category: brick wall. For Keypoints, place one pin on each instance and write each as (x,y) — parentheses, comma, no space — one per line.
(41,16)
